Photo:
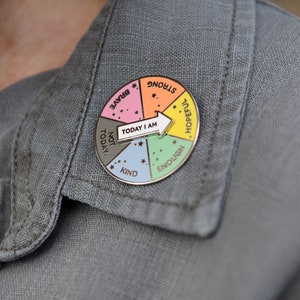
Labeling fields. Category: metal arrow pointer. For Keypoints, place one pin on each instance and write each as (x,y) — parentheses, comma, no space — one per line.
(158,124)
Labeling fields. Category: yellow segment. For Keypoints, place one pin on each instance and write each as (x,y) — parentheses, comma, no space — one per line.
(184,117)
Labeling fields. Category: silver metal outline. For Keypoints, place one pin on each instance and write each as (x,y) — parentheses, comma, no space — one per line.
(184,159)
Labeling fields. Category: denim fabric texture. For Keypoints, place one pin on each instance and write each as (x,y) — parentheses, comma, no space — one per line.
(168,240)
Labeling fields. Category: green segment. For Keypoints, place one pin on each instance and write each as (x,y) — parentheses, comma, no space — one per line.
(166,154)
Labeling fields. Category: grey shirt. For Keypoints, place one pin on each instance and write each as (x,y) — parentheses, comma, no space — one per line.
(224,226)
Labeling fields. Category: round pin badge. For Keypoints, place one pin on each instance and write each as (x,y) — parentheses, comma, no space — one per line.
(147,130)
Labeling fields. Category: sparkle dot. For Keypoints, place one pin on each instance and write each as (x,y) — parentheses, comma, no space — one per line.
(121,110)
(174,106)
(174,142)
(113,114)
(143,161)
(161,150)
(157,158)
(180,111)
(111,167)
(136,112)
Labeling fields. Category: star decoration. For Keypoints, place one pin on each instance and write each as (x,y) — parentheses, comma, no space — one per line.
(174,142)
(111,167)
(136,112)
(143,161)
(140,144)
(153,95)
(134,85)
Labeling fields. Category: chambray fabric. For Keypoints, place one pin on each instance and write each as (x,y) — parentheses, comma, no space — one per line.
(95,254)
(45,141)
(205,45)
(51,158)
(14,101)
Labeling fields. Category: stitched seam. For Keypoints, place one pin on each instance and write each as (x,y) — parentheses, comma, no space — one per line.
(15,156)
(14,172)
(28,192)
(80,117)
(224,83)
(222,93)
(134,197)
(28,162)
(29,196)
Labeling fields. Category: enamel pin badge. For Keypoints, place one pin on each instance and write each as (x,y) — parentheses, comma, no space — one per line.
(147,130)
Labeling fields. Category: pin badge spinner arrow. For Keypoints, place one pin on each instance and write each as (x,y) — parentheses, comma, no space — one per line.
(147,130)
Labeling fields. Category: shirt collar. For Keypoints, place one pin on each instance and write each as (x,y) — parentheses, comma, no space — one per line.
(206,45)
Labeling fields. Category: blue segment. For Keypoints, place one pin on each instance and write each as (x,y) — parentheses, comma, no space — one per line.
(132,164)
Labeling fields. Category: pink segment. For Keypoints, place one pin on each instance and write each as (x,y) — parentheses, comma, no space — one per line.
(125,105)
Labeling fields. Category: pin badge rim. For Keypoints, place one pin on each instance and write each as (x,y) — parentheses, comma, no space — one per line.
(183,161)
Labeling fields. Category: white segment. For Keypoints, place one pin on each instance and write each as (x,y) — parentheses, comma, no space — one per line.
(158,124)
